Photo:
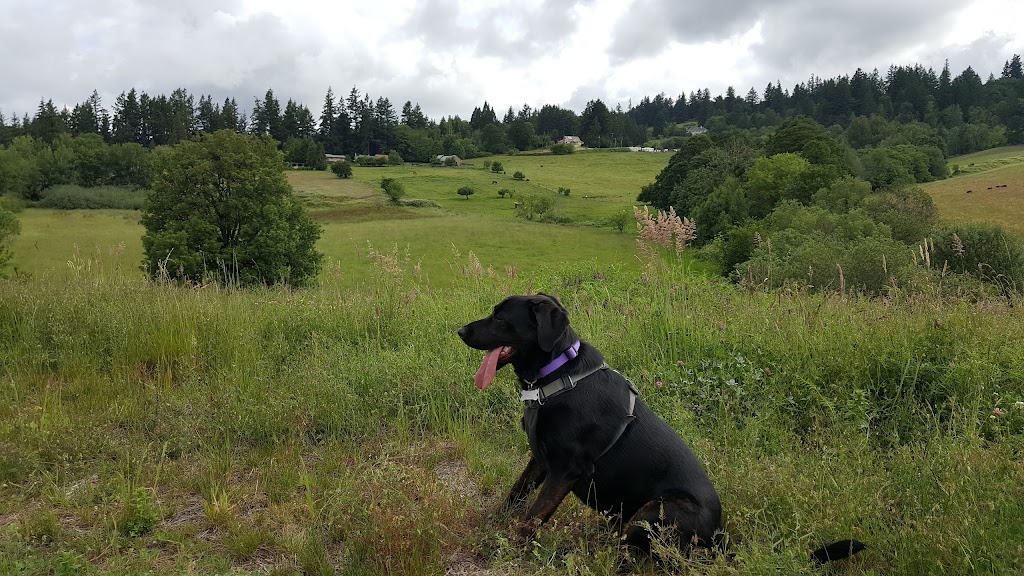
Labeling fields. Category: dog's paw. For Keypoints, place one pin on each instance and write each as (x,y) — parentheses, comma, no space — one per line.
(523,532)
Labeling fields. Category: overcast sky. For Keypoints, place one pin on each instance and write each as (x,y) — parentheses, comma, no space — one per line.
(452,55)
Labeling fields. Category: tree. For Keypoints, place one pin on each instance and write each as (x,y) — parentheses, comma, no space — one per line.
(534,205)
(1012,68)
(771,180)
(465,191)
(9,228)
(305,151)
(222,208)
(519,175)
(496,167)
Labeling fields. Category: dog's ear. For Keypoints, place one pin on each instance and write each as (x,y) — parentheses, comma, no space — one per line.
(552,322)
(553,298)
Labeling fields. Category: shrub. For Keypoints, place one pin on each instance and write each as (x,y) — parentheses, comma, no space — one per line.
(9,227)
(372,161)
(505,192)
(74,197)
(221,206)
(496,167)
(342,169)
(419,203)
(619,220)
(909,212)
(394,158)
(985,251)
(519,175)
(562,149)
(563,191)
(465,191)
(393,188)
(533,206)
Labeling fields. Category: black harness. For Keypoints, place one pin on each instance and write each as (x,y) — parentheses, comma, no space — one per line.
(534,398)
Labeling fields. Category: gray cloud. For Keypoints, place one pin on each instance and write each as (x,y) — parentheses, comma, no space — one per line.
(510,32)
(223,48)
(838,37)
(156,47)
(649,25)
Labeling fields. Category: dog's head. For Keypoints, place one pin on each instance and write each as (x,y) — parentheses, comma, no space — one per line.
(527,331)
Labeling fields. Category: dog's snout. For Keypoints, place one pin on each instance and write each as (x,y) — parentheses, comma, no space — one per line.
(463,332)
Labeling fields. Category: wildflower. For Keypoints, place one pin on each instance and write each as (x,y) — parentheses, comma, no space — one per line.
(680,363)
(658,383)
(1018,405)
(997,412)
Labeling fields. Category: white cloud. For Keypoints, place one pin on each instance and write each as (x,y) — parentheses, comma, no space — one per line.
(451,55)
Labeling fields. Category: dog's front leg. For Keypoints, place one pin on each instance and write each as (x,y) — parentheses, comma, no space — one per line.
(552,492)
(528,481)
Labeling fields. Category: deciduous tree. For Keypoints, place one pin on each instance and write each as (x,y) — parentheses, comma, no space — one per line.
(222,208)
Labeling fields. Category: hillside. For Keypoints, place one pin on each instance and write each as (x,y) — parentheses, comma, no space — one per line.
(989,188)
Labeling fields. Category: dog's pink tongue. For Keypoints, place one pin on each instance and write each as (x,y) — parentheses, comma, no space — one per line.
(485,375)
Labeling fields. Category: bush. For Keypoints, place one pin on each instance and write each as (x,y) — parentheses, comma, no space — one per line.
(909,212)
(563,191)
(496,167)
(418,203)
(505,192)
(984,251)
(342,169)
(519,175)
(372,161)
(562,149)
(535,205)
(465,191)
(394,158)
(74,197)
(222,207)
(9,227)
(13,203)
(393,188)
(619,220)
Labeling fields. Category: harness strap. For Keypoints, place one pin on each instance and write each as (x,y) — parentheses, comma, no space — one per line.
(563,384)
(629,417)
(534,399)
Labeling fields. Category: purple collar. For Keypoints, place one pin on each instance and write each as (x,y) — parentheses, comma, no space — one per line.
(560,361)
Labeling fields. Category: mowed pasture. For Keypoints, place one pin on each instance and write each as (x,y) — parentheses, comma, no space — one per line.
(989,189)
(357,219)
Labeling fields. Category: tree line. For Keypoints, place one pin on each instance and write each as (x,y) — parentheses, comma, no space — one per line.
(955,114)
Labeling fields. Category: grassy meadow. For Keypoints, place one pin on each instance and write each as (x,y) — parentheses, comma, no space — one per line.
(990,188)
(147,428)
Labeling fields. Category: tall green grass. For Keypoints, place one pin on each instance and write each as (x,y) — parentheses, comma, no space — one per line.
(74,197)
(148,427)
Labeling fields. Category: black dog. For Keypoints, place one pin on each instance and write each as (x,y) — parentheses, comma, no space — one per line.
(590,434)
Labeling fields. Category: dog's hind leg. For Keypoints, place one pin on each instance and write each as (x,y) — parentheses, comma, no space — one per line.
(528,481)
(690,522)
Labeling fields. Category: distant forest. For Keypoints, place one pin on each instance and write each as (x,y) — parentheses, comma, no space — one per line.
(958,114)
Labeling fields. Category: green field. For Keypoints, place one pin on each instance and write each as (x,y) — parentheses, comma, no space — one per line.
(149,428)
(990,189)
(356,216)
